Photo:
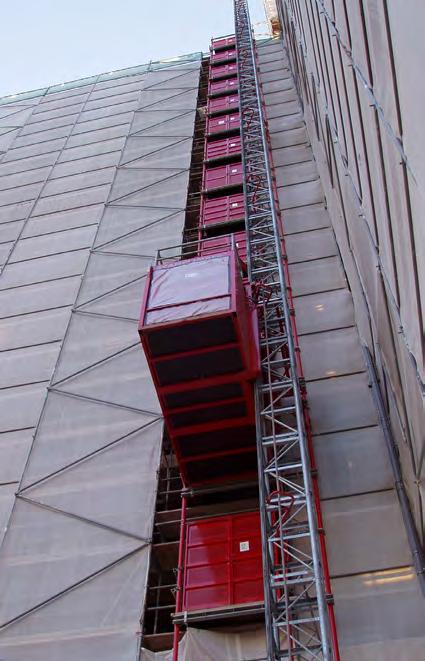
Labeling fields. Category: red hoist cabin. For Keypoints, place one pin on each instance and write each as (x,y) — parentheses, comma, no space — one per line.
(198,330)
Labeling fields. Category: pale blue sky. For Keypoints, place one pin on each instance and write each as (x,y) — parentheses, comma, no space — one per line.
(44,42)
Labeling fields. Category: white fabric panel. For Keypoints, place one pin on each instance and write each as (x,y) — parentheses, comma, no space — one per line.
(215,646)
(7,498)
(62,220)
(395,338)
(98,620)
(43,268)
(31,364)
(91,340)
(114,487)
(124,380)
(360,533)
(61,242)
(14,448)
(73,428)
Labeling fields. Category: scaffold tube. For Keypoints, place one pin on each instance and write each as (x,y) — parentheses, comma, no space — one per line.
(179,592)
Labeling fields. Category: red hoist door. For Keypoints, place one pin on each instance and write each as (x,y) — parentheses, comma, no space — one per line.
(223,176)
(223,565)
(223,147)
(226,209)
(223,70)
(222,42)
(223,55)
(223,124)
(225,86)
(223,103)
(219,243)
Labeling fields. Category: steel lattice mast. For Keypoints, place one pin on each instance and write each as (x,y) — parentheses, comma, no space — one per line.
(295,603)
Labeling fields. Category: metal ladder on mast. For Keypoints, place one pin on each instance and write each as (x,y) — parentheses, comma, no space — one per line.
(297,623)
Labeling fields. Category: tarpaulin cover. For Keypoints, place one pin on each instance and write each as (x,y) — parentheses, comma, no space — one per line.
(195,309)
(215,646)
(189,288)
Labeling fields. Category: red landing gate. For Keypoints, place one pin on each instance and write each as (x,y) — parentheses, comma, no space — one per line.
(223,562)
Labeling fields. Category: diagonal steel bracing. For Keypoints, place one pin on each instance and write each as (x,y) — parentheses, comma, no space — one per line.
(295,602)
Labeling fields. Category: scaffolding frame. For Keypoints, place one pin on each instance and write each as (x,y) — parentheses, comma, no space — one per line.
(297,622)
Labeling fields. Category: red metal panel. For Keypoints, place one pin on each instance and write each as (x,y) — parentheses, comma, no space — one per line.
(225,86)
(223,147)
(222,42)
(217,468)
(221,467)
(223,123)
(223,176)
(223,209)
(223,55)
(240,243)
(222,103)
(220,243)
(220,413)
(223,564)
(223,70)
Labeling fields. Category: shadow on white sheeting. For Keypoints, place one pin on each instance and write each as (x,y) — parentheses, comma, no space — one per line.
(215,646)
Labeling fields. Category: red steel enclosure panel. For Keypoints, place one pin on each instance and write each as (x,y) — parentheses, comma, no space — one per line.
(223,103)
(223,147)
(223,176)
(223,123)
(223,55)
(223,565)
(223,70)
(225,86)
(221,243)
(223,42)
(228,208)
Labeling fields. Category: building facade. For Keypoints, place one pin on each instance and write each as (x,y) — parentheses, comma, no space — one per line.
(94,181)
(95,177)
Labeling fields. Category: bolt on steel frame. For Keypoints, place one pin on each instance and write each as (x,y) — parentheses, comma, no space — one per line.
(297,621)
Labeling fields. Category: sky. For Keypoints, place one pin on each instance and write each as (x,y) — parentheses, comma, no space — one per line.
(44,42)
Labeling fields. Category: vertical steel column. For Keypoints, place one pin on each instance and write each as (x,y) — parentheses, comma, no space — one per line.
(295,604)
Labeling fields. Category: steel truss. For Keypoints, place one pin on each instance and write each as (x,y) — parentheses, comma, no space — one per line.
(295,602)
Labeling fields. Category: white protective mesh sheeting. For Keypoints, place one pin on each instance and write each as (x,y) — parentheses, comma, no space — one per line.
(215,646)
